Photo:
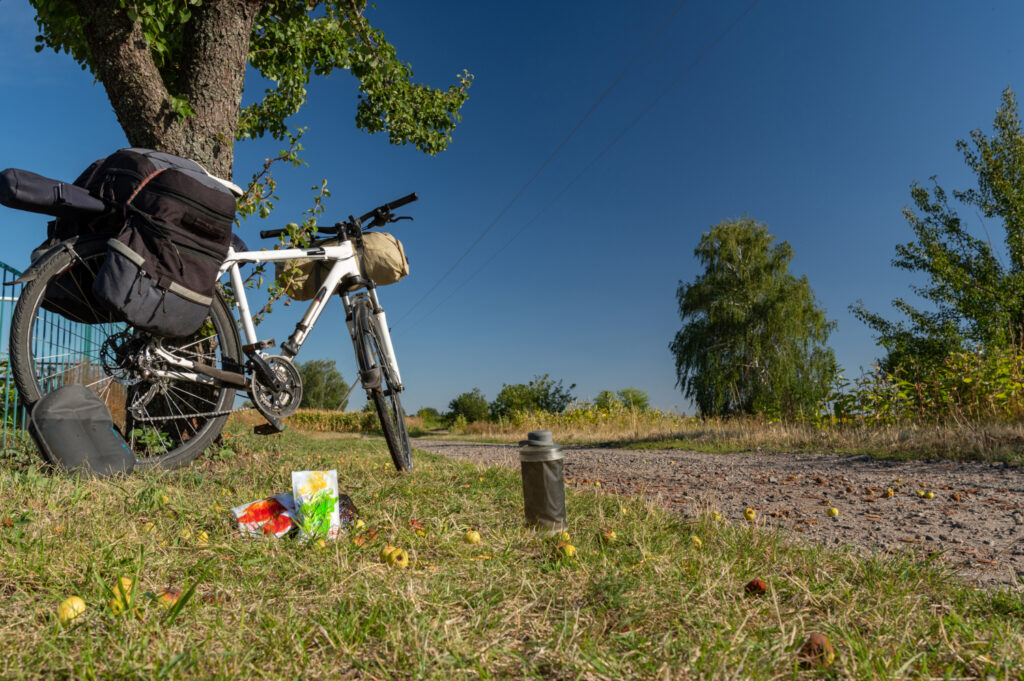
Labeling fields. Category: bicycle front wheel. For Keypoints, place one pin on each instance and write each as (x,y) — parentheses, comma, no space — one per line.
(381,385)
(60,336)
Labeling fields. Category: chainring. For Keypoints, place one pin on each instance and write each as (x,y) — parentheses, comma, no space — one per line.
(277,404)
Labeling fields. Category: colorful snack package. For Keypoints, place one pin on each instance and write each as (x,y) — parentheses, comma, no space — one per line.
(316,502)
(270,517)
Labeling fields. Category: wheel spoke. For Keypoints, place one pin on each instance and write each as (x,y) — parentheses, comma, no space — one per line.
(54,350)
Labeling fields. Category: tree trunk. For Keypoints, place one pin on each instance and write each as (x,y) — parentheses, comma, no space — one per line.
(216,49)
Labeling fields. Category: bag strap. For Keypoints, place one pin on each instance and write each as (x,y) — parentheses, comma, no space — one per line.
(142,184)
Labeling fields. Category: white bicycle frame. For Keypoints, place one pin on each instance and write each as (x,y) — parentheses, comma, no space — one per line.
(345,265)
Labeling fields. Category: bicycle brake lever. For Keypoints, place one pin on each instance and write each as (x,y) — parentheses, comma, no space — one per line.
(401,217)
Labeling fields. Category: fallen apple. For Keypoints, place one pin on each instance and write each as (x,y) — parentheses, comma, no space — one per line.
(695,540)
(817,651)
(749,514)
(321,544)
(168,597)
(398,559)
(566,549)
(756,587)
(563,536)
(122,596)
(70,609)
(833,512)
(472,537)
(889,494)
(929,495)
(358,524)
(716,516)
(609,537)
(202,538)
(387,551)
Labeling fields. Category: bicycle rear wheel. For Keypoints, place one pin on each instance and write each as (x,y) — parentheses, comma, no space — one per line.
(59,336)
(381,386)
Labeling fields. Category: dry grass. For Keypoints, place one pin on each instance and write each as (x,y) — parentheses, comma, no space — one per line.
(650,605)
(658,430)
(1002,442)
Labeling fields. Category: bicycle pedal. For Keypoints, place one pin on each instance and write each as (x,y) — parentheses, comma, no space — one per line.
(259,345)
(272,427)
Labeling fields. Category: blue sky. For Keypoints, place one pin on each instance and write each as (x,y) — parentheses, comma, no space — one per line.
(814,117)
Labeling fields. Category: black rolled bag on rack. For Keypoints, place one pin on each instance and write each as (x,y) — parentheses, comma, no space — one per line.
(161,270)
(34,193)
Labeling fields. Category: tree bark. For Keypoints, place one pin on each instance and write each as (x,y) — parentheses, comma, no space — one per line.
(216,53)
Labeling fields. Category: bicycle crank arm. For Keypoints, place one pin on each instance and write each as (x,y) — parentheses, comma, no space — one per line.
(231,378)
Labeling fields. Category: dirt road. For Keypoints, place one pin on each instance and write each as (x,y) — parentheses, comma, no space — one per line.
(976,518)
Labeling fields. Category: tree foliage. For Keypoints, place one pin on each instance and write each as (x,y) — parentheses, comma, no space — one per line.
(628,398)
(976,299)
(471,405)
(754,338)
(174,69)
(323,386)
(540,394)
(429,415)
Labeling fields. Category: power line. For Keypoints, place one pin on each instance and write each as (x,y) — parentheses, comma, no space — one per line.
(548,160)
(594,161)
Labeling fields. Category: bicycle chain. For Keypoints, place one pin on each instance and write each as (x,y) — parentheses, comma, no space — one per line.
(209,414)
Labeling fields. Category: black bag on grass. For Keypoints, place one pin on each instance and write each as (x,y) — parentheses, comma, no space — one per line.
(74,431)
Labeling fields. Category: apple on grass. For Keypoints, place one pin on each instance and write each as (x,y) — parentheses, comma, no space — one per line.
(817,651)
(566,549)
(70,609)
(122,596)
(168,597)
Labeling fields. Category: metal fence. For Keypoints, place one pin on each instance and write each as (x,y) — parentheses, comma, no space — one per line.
(62,349)
(13,414)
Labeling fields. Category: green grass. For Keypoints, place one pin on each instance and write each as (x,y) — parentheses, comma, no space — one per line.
(651,605)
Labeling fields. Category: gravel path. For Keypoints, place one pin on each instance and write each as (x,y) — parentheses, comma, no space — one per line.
(976,516)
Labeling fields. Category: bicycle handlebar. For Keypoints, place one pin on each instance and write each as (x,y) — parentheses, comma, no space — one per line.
(382,212)
(388,207)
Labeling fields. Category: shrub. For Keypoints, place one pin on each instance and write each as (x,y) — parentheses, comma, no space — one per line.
(540,394)
(967,387)
(628,398)
(430,417)
(472,406)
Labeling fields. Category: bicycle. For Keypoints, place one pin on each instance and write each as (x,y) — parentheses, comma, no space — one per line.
(172,398)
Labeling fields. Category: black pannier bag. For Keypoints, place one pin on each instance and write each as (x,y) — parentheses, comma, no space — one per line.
(161,270)
(74,431)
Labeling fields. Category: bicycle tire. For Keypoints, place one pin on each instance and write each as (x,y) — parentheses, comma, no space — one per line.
(38,330)
(384,395)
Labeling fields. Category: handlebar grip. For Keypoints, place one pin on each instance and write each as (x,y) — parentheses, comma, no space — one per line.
(398,203)
(270,233)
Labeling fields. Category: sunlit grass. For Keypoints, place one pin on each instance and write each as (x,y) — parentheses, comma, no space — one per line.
(649,605)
